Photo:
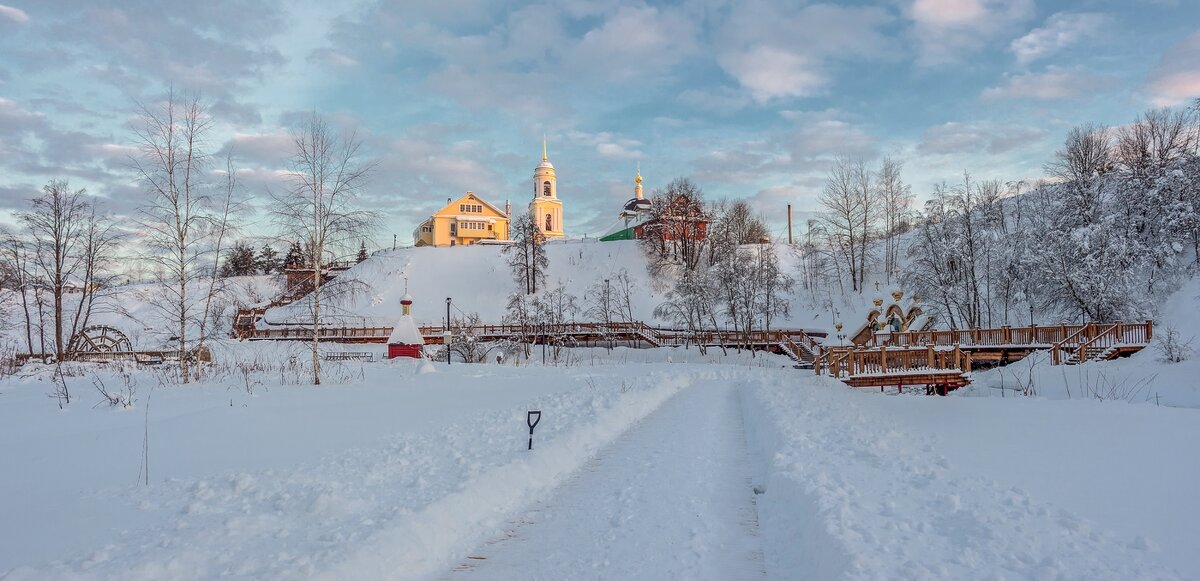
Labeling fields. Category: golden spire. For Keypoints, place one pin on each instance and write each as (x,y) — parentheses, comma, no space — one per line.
(544,158)
(638,179)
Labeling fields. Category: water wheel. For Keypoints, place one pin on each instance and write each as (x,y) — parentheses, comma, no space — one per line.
(103,342)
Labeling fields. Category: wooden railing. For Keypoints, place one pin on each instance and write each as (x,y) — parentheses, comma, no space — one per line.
(1094,337)
(852,361)
(1044,336)
(904,352)
(799,342)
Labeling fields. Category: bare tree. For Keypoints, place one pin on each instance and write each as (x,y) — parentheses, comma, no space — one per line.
(896,199)
(69,245)
(321,208)
(227,206)
(527,254)
(180,225)
(676,231)
(1155,140)
(850,214)
(14,255)
(56,225)
(1087,153)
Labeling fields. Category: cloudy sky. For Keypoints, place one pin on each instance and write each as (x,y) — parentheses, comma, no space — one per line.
(750,99)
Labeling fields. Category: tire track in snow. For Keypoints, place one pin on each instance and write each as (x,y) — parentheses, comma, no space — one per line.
(671,498)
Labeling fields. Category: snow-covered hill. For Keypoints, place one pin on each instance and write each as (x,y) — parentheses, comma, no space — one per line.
(479,280)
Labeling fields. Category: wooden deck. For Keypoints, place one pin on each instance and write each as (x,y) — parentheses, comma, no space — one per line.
(943,359)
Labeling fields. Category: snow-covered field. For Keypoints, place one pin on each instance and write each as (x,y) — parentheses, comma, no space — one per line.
(647,464)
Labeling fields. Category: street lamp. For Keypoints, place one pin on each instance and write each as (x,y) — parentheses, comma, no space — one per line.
(446,337)
(608,314)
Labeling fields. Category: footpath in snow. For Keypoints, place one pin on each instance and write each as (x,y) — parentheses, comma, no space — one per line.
(640,471)
(670,499)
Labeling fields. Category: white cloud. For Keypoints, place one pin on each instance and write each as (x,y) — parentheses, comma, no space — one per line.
(635,43)
(948,31)
(609,145)
(965,138)
(331,57)
(778,50)
(948,13)
(1177,77)
(1060,31)
(1053,84)
(14,14)
(769,72)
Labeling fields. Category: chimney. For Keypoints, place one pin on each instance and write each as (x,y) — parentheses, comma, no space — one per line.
(448,200)
(507,208)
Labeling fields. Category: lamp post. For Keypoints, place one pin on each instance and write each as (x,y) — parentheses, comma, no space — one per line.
(608,314)
(446,337)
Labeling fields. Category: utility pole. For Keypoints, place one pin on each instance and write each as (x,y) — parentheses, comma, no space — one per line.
(446,336)
(394,237)
(789,224)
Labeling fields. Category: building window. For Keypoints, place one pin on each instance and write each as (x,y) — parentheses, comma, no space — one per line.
(548,227)
(546,188)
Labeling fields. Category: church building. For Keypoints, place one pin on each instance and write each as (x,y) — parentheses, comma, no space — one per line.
(633,215)
(546,208)
(472,220)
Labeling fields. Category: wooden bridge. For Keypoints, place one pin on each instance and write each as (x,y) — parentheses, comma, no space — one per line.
(940,360)
(797,344)
(936,360)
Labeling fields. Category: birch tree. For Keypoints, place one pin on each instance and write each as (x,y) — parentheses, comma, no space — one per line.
(185,215)
(327,176)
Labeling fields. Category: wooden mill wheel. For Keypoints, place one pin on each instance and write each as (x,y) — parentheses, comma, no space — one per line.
(103,339)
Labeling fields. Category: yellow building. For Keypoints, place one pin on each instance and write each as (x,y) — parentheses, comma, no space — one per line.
(546,207)
(466,221)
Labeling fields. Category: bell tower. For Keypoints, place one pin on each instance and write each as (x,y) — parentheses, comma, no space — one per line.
(546,208)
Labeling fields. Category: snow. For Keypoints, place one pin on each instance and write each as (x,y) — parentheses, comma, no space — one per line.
(131,309)
(866,486)
(479,280)
(657,463)
(406,333)
(1142,378)
(684,464)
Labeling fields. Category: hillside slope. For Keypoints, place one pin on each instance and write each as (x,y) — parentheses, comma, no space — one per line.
(478,280)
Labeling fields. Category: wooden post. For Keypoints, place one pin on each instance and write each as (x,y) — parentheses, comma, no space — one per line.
(1033,336)
(1006,335)
(883,359)
(929,354)
(957,357)
(1054,356)
(1120,331)
(1149,329)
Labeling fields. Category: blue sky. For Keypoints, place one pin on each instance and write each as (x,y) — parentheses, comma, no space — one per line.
(750,99)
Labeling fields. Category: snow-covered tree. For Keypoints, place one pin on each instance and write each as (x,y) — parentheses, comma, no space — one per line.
(527,254)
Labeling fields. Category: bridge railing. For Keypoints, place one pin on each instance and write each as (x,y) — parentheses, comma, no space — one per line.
(845,362)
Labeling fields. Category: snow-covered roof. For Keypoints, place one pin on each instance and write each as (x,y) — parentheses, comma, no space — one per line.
(406,333)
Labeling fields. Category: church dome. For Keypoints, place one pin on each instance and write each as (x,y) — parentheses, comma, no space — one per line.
(637,205)
(545,164)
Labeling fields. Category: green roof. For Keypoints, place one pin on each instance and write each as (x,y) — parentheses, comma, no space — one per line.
(625,234)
